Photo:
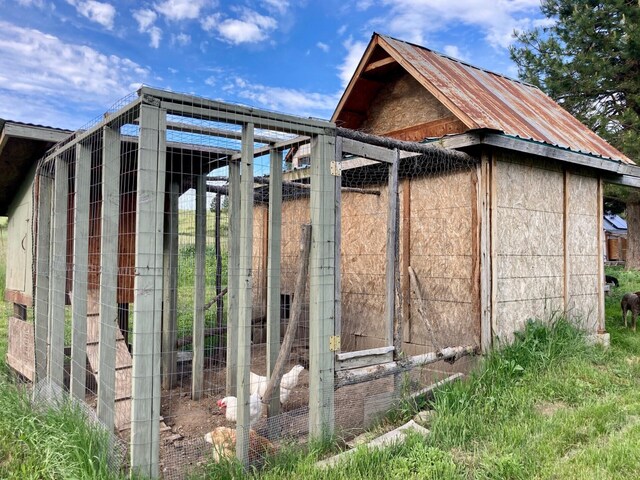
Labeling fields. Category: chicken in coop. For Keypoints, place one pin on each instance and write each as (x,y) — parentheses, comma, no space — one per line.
(258,383)
(229,405)
(223,440)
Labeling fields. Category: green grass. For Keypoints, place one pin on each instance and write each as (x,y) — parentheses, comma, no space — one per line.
(548,406)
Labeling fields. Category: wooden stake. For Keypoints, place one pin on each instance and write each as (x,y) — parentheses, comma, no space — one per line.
(197,365)
(170,289)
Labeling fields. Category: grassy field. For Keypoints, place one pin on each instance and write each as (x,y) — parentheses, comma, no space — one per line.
(547,407)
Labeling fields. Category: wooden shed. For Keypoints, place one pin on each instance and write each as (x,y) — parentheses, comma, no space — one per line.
(517,235)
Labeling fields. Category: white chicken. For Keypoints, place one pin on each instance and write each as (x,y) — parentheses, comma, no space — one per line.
(258,383)
(229,405)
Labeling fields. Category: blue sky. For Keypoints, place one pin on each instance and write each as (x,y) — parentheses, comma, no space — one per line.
(64,62)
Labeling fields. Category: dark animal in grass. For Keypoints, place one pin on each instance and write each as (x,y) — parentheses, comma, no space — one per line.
(612,279)
(630,303)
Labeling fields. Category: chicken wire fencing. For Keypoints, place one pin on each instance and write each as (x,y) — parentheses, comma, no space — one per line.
(214,280)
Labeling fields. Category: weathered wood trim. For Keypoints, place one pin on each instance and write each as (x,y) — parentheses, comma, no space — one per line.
(109,276)
(406,259)
(337,248)
(170,289)
(486,268)
(58,272)
(80,271)
(197,365)
(365,150)
(42,260)
(565,239)
(322,271)
(600,260)
(476,215)
(18,297)
(146,314)
(233,280)
(435,128)
(379,64)
(493,227)
(391,253)
(273,253)
(245,300)
(362,358)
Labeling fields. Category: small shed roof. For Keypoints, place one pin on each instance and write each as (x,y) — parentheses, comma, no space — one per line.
(614,224)
(21,145)
(478,98)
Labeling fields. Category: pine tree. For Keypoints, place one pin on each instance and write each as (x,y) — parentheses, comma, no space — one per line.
(586,56)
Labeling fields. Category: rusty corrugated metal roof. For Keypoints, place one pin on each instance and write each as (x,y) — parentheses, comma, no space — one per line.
(491,100)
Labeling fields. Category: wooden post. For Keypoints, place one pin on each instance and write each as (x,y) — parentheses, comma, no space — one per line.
(80,271)
(109,313)
(58,273)
(148,281)
(322,270)
(218,246)
(43,247)
(565,241)
(233,280)
(170,290)
(273,272)
(245,300)
(406,259)
(601,324)
(493,227)
(484,204)
(197,365)
(337,282)
(392,255)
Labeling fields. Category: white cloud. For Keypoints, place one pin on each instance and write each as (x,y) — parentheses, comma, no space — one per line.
(182,39)
(453,51)
(413,19)
(180,9)
(322,46)
(284,99)
(280,6)
(98,12)
(249,27)
(31,3)
(146,19)
(44,70)
(355,49)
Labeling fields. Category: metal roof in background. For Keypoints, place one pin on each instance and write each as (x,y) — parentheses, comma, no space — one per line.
(491,100)
(614,223)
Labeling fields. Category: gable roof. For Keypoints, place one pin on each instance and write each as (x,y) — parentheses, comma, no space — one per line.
(478,98)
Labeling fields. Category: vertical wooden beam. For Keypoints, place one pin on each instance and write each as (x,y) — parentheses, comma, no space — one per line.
(233,280)
(338,246)
(42,260)
(218,245)
(406,259)
(483,171)
(273,271)
(80,271)
(146,311)
(197,365)
(58,273)
(600,260)
(565,242)
(170,289)
(493,225)
(109,275)
(476,277)
(322,270)
(392,254)
(245,300)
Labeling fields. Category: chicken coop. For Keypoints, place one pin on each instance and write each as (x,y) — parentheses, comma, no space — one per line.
(212,279)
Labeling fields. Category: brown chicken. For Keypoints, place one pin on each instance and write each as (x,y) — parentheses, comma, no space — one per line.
(223,440)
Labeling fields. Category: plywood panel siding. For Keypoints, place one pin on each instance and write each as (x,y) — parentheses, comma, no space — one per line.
(442,258)
(260,219)
(19,239)
(400,104)
(529,243)
(582,249)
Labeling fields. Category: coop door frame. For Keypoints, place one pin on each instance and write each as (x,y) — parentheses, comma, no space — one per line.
(393,330)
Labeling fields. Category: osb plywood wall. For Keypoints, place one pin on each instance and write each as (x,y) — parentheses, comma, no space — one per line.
(400,104)
(259,260)
(441,254)
(582,249)
(528,244)
(443,257)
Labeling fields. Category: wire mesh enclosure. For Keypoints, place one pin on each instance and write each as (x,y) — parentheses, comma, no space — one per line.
(217,280)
